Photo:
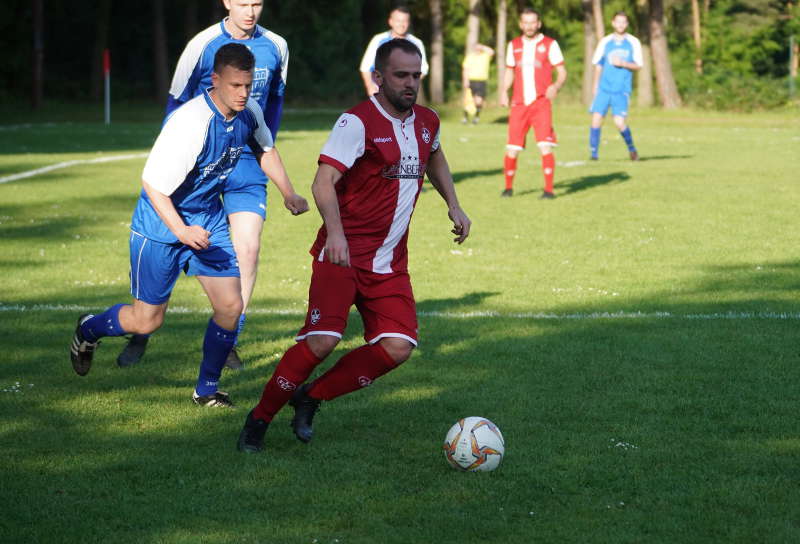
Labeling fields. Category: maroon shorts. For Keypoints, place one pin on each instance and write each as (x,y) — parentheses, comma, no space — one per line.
(537,115)
(385,302)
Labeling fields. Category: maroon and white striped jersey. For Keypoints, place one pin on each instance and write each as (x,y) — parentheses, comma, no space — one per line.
(383,160)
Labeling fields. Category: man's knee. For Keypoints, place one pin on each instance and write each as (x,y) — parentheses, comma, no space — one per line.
(145,322)
(321,345)
(398,349)
(512,152)
(247,250)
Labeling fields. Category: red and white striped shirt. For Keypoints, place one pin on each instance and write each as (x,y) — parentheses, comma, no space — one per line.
(533,62)
(383,160)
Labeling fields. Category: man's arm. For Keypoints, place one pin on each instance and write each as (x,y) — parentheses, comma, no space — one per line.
(272,165)
(194,236)
(508,80)
(324,191)
(369,85)
(553,88)
(598,70)
(619,63)
(439,173)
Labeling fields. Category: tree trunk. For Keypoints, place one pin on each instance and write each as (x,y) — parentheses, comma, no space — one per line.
(644,77)
(436,75)
(160,50)
(102,21)
(589,45)
(698,58)
(500,44)
(667,89)
(473,24)
(37,90)
(599,23)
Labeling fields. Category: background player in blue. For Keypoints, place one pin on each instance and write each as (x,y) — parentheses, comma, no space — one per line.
(179,222)
(617,56)
(245,191)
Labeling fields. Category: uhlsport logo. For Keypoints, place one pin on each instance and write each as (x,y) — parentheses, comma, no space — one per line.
(285,384)
(426,135)
(315,315)
(343,122)
(363,381)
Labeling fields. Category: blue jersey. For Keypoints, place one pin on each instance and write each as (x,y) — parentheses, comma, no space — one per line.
(194,153)
(193,73)
(614,79)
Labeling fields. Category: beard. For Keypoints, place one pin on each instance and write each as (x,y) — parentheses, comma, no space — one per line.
(399,100)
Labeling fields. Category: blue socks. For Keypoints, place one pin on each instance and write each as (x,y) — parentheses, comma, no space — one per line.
(628,137)
(594,141)
(105,324)
(217,344)
(239,328)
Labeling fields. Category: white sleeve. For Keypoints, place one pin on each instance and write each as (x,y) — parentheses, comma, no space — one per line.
(345,143)
(368,60)
(185,72)
(555,56)
(421,46)
(597,58)
(638,58)
(262,134)
(175,152)
(510,56)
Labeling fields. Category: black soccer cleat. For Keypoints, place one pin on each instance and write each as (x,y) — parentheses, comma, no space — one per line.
(81,351)
(547,195)
(507,193)
(132,353)
(218,399)
(304,409)
(251,438)
(233,361)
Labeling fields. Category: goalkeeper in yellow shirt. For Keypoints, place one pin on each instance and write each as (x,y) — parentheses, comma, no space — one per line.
(474,75)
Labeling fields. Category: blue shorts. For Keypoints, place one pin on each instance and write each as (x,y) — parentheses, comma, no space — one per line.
(155,266)
(618,102)
(245,189)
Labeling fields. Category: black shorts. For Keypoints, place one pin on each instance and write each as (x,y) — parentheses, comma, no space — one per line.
(478,88)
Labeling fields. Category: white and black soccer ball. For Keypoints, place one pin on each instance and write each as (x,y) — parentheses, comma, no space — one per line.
(474,443)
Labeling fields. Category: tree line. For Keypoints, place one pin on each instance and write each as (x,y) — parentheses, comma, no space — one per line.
(709,53)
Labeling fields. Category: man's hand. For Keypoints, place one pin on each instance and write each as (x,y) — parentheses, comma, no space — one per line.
(504,100)
(551,92)
(618,62)
(461,224)
(194,236)
(336,249)
(295,204)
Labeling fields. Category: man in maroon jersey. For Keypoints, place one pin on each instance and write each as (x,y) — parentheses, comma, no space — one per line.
(530,61)
(370,174)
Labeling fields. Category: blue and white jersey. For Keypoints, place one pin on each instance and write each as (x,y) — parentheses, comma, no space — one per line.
(368,60)
(194,153)
(614,79)
(193,73)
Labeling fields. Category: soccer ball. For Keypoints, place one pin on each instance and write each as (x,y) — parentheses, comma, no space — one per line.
(474,443)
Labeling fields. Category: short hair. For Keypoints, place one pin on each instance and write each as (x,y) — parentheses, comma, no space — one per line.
(620,13)
(236,55)
(525,11)
(401,9)
(386,48)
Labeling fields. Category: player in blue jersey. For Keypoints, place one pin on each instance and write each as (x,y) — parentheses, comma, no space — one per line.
(617,56)
(245,191)
(179,222)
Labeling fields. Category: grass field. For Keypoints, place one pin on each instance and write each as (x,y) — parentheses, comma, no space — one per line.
(636,340)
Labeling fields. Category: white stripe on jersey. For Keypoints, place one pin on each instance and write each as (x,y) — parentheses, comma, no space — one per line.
(189,58)
(262,135)
(406,138)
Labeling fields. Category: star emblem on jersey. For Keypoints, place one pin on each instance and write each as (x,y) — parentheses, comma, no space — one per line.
(426,135)
(315,316)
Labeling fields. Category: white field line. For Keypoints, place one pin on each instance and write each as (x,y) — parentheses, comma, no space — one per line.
(75,308)
(67,164)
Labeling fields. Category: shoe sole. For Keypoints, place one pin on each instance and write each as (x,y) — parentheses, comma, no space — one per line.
(81,368)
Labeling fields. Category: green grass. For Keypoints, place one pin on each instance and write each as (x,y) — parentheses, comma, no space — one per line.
(636,340)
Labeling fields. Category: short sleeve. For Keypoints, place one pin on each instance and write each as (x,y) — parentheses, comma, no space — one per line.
(175,152)
(638,58)
(345,143)
(597,58)
(554,55)
(510,55)
(262,136)
(368,60)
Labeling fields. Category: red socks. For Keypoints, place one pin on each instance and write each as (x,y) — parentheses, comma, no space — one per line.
(549,169)
(357,369)
(293,369)
(509,169)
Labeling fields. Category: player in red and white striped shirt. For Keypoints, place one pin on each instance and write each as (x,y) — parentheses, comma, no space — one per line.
(530,61)
(370,174)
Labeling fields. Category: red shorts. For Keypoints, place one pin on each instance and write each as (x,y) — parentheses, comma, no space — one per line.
(539,115)
(385,302)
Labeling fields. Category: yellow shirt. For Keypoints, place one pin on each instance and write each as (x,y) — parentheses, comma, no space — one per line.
(477,66)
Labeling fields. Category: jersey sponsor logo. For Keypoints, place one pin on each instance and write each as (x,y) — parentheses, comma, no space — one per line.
(426,135)
(385,140)
(224,164)
(315,316)
(407,167)
(285,384)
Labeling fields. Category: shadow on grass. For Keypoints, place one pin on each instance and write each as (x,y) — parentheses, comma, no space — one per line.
(590,182)
(458,177)
(645,158)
